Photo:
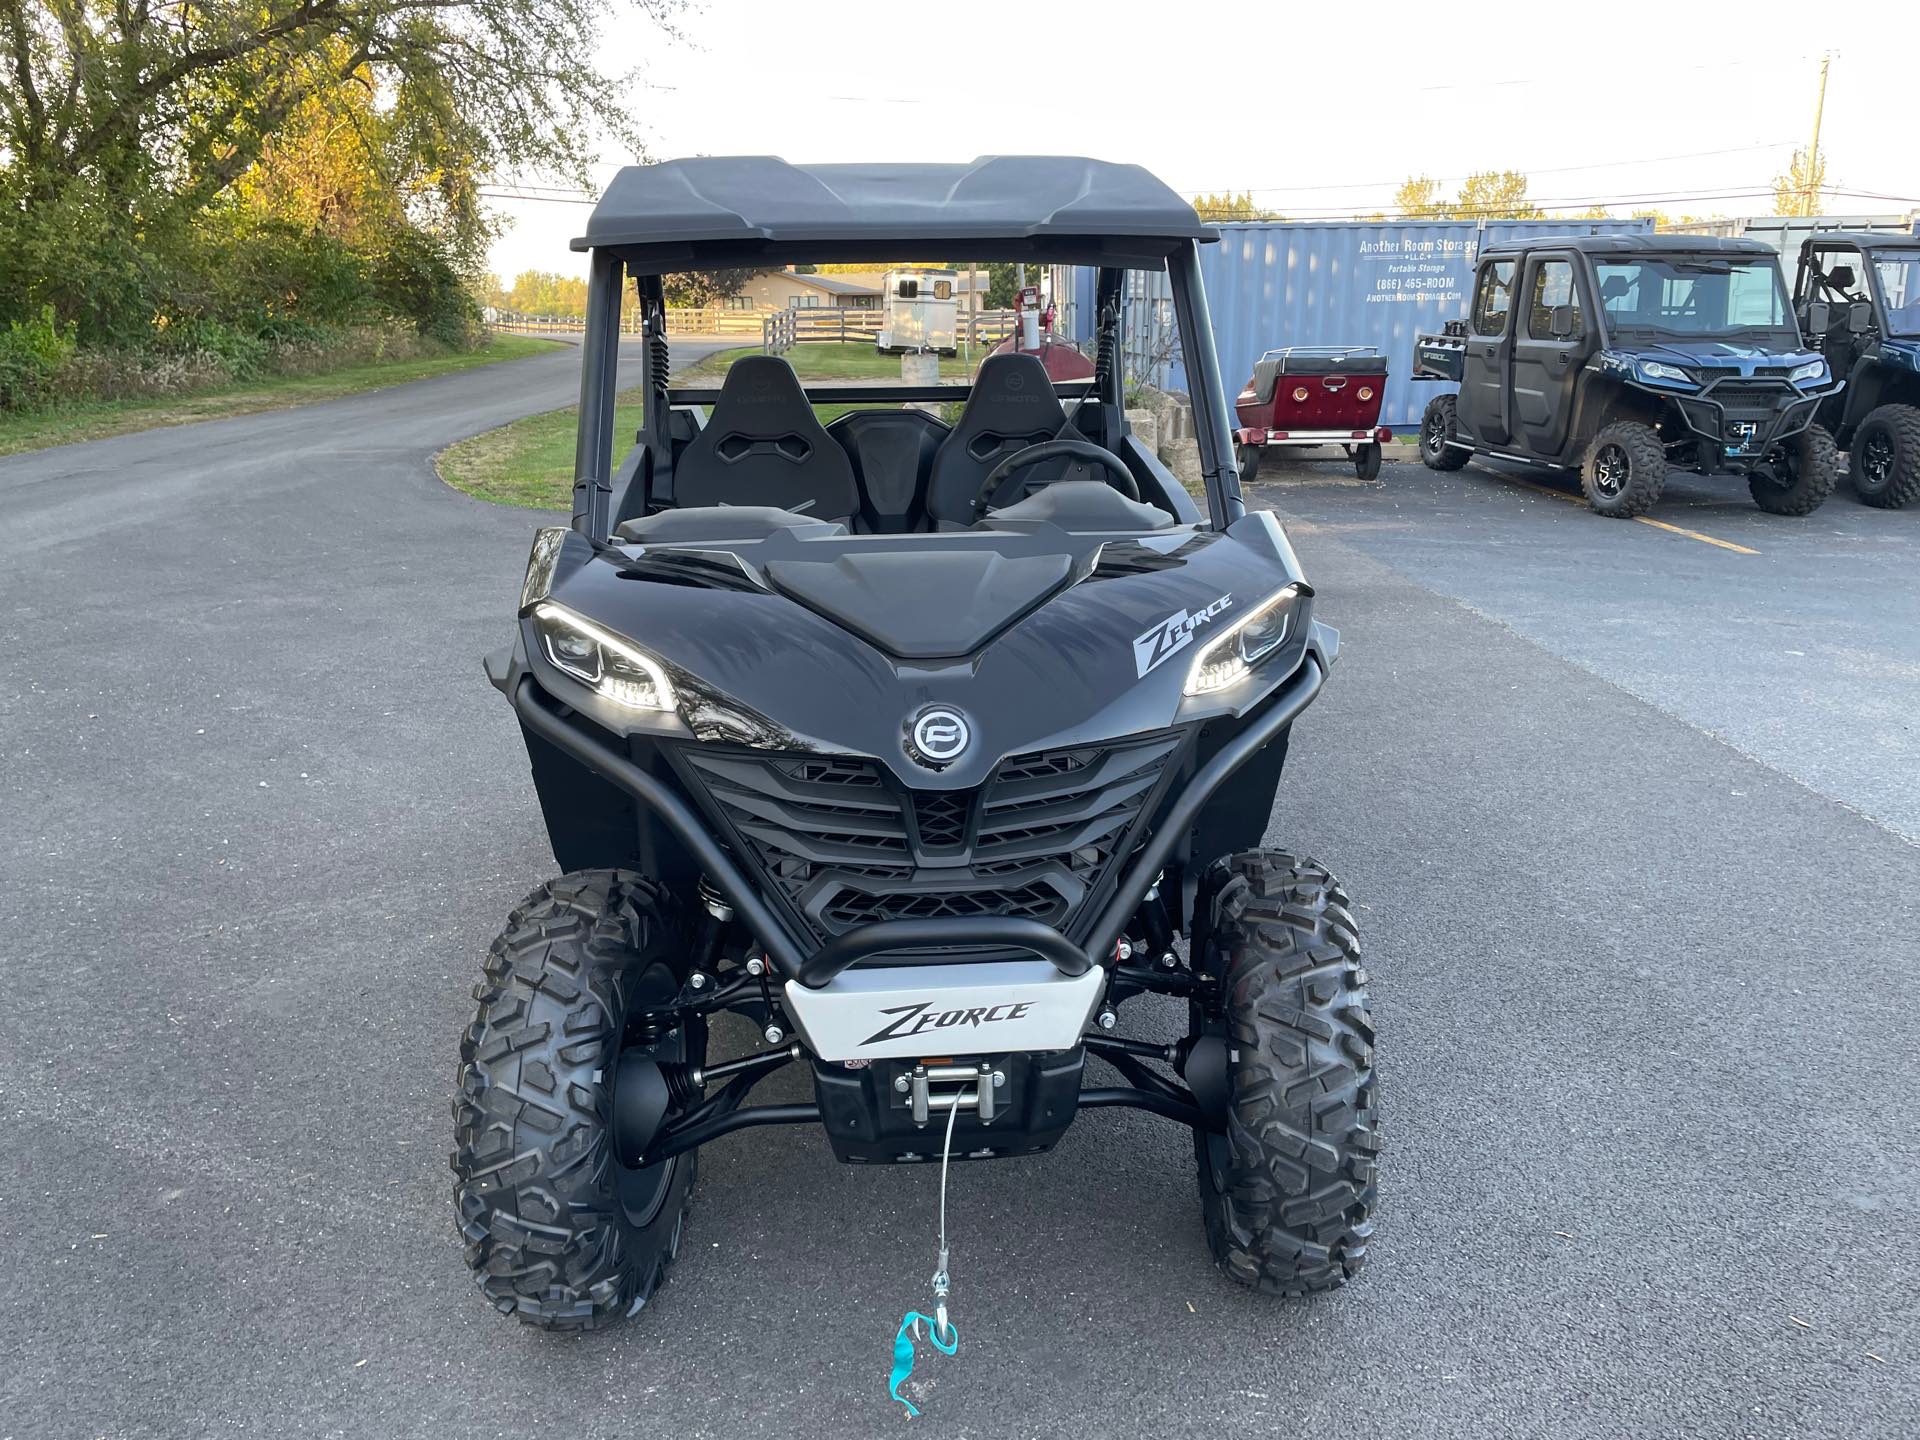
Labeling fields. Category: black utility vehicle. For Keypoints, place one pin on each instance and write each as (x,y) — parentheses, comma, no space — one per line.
(924,747)
(1627,356)
(1858,298)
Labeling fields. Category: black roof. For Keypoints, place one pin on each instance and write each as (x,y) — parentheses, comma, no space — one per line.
(1866,239)
(1668,244)
(739,209)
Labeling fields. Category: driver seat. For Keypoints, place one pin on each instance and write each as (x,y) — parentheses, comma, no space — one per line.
(1012,407)
(763,446)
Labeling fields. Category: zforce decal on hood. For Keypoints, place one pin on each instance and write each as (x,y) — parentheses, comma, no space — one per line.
(1173,634)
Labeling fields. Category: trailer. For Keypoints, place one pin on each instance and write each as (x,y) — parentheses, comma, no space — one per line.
(920,312)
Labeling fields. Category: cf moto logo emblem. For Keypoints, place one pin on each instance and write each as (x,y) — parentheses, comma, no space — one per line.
(940,735)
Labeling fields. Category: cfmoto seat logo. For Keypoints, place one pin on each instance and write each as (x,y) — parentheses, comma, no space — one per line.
(939,735)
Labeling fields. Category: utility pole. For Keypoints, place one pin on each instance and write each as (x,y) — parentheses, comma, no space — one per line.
(1812,201)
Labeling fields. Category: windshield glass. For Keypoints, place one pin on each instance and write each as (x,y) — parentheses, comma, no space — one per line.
(1691,297)
(1899,277)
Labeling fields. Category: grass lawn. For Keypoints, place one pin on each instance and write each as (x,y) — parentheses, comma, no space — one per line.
(98,419)
(830,360)
(530,462)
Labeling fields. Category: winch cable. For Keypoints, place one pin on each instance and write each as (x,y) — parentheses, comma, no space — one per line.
(946,1338)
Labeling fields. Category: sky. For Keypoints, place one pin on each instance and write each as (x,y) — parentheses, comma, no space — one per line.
(1320,110)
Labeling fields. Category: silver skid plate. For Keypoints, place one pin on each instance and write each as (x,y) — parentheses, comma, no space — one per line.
(914,1010)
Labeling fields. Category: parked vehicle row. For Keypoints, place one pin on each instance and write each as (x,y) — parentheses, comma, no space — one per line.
(1626,357)
(1857,297)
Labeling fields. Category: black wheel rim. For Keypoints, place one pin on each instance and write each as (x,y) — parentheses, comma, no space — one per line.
(1611,471)
(1436,435)
(1779,470)
(642,1190)
(1876,459)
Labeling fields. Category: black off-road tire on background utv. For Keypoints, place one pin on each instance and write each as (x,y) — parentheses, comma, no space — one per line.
(1624,471)
(1884,459)
(1288,1192)
(559,1233)
(1246,459)
(1366,460)
(1798,483)
(1437,426)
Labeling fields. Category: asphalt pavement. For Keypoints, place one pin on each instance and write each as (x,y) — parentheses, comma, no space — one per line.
(1638,896)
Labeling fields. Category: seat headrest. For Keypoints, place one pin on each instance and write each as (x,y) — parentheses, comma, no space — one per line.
(761,397)
(1013,394)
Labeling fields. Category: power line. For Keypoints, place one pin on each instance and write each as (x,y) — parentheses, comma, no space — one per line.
(1527,170)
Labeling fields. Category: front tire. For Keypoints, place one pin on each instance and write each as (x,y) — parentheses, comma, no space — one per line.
(1798,476)
(1625,470)
(1438,426)
(1884,459)
(560,1233)
(1288,1191)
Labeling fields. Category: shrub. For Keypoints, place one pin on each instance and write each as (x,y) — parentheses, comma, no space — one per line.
(34,354)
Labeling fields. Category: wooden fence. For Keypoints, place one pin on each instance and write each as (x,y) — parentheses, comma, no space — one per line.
(778,330)
(783,329)
(679,322)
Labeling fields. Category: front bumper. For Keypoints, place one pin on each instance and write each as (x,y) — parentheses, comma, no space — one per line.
(819,968)
(1741,419)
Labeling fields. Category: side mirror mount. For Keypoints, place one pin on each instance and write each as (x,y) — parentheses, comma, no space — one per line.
(1819,318)
(1561,323)
(1859,317)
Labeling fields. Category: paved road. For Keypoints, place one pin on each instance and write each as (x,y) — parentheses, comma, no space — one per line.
(1646,1011)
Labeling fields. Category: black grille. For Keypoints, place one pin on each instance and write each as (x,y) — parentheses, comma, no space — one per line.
(845,844)
(1752,399)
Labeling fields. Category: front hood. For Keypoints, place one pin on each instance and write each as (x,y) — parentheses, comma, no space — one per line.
(1069,638)
(1730,357)
(1903,353)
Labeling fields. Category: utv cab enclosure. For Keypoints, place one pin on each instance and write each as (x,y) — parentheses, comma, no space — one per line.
(1626,356)
(1857,296)
(919,747)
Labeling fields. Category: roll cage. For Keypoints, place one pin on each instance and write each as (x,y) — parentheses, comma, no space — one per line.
(764,213)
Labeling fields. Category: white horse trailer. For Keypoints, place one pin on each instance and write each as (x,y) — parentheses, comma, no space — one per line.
(920,311)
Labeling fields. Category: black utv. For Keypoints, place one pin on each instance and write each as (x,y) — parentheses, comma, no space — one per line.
(924,747)
(1627,356)
(1858,298)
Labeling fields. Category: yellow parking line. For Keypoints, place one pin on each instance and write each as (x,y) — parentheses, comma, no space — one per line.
(1644,520)
(1696,535)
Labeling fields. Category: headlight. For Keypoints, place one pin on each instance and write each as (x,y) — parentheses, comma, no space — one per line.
(1809,373)
(1228,658)
(612,667)
(1659,370)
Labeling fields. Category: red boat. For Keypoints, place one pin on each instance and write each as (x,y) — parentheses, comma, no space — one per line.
(1306,396)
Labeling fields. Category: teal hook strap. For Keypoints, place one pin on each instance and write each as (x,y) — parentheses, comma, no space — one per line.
(903,1352)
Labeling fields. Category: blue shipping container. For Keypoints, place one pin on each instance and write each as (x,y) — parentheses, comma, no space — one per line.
(1310,283)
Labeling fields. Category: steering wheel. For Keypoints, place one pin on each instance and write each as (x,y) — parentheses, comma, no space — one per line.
(1118,475)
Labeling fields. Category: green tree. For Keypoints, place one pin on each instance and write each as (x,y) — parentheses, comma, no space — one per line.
(1496,195)
(1798,191)
(700,289)
(1419,198)
(1484,195)
(140,143)
(1232,207)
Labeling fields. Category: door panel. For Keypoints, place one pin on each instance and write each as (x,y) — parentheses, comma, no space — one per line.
(1546,368)
(1482,411)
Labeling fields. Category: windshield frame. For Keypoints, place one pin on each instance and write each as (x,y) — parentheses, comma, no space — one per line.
(1614,324)
(1873,257)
